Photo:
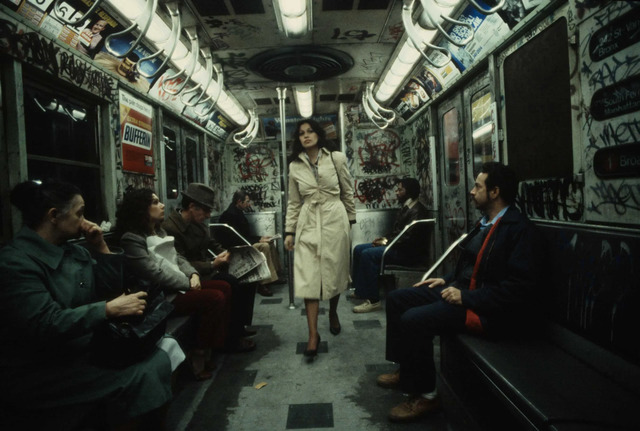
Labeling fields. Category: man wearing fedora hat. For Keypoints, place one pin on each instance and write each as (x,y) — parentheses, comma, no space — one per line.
(193,241)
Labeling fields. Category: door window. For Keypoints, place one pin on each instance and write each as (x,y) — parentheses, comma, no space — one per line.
(451,134)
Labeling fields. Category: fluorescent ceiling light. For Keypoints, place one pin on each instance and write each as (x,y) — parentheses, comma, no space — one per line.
(131,9)
(292,7)
(304,100)
(158,34)
(293,16)
(295,27)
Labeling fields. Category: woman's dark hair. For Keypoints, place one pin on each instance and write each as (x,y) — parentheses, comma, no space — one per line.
(297,147)
(34,199)
(503,177)
(412,187)
(133,213)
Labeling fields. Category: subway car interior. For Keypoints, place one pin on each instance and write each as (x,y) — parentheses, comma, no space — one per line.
(115,95)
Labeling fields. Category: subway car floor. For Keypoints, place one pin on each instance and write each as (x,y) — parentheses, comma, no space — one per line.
(275,388)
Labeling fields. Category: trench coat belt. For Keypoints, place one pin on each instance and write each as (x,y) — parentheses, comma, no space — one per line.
(317,203)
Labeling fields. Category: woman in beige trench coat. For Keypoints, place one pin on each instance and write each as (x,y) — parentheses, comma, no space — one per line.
(320,211)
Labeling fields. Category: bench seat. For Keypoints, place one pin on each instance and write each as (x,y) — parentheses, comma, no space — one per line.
(546,387)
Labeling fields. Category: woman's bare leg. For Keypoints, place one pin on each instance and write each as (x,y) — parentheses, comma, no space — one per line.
(312,306)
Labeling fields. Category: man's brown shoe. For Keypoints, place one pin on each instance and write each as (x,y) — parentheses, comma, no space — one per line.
(389,381)
(414,409)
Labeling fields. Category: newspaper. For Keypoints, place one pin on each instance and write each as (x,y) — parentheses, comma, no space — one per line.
(248,265)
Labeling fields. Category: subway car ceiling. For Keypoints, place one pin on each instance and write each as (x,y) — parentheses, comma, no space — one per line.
(229,70)
(336,49)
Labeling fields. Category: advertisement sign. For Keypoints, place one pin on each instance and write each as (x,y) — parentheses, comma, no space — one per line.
(87,36)
(127,68)
(136,134)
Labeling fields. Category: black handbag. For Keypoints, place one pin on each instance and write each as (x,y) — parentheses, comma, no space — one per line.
(123,341)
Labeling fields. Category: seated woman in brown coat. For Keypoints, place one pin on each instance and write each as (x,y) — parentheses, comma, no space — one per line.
(151,256)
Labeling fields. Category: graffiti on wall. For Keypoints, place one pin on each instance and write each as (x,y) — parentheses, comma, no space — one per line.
(255,170)
(253,164)
(46,55)
(553,199)
(424,174)
(376,193)
(608,64)
(378,152)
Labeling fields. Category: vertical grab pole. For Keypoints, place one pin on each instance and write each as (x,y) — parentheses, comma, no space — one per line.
(282,95)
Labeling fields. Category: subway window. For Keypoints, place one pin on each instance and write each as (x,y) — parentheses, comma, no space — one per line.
(62,143)
(451,134)
(538,106)
(192,160)
(481,127)
(171,162)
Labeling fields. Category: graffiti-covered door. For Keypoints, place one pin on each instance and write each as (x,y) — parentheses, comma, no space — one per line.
(480,127)
(453,176)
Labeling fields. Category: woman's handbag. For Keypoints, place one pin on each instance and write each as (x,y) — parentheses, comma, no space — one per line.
(129,339)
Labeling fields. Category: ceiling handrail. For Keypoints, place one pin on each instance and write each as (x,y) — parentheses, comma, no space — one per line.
(188,70)
(414,37)
(249,132)
(176,29)
(206,53)
(375,118)
(426,10)
(376,107)
(212,99)
(147,16)
(494,9)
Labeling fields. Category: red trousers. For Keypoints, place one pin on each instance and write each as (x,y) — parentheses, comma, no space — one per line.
(212,306)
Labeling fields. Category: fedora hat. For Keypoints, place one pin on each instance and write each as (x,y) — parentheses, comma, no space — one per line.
(200,193)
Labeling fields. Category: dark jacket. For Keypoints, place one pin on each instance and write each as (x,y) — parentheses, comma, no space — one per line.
(234,217)
(507,276)
(416,241)
(192,240)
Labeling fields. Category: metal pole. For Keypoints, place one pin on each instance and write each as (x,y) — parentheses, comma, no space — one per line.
(282,94)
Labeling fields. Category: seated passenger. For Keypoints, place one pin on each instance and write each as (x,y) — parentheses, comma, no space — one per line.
(194,242)
(234,217)
(151,256)
(49,311)
(491,289)
(410,249)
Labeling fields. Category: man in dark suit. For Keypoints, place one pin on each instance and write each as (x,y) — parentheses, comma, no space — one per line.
(493,288)
(408,250)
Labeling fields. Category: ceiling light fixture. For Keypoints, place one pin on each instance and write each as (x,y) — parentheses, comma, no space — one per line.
(304,99)
(294,17)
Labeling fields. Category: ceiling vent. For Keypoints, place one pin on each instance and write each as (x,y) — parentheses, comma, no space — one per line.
(300,63)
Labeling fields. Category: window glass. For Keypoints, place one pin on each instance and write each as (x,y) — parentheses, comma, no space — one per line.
(171,162)
(481,127)
(60,127)
(192,160)
(538,105)
(451,133)
(62,143)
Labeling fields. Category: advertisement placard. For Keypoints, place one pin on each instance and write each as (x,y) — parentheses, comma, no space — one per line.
(136,134)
